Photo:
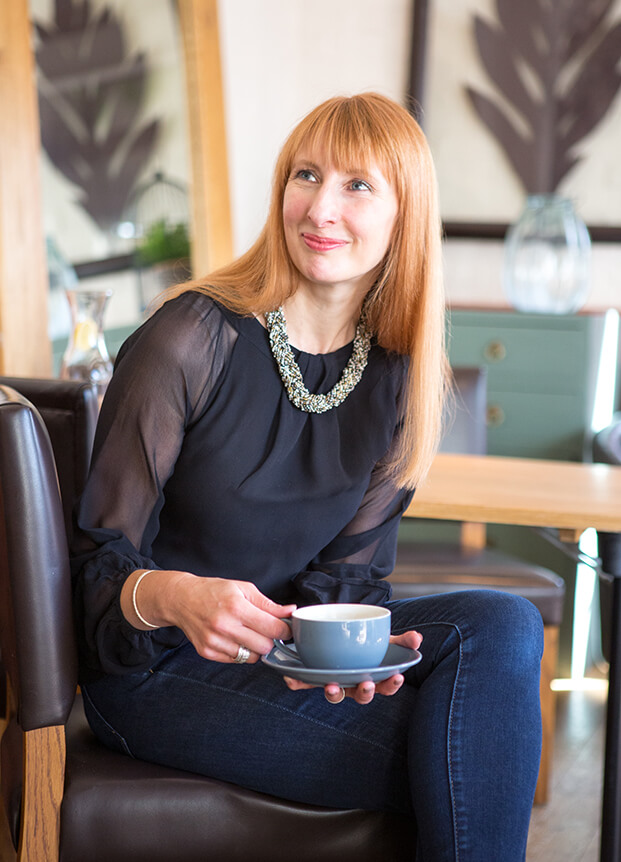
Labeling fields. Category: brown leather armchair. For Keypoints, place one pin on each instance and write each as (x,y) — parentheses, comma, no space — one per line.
(65,795)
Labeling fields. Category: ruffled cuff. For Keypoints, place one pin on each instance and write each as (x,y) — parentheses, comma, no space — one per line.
(108,643)
(122,649)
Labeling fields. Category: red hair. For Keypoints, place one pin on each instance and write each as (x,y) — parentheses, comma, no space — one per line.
(405,307)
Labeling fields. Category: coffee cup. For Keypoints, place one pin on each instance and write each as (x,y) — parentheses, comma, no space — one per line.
(339,636)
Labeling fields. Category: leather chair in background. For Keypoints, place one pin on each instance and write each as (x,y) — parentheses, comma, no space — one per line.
(427,567)
(69,409)
(68,797)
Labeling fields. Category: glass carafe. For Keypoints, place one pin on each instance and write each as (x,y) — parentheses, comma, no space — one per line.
(86,357)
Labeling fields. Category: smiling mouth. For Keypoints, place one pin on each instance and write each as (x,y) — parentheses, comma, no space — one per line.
(322,243)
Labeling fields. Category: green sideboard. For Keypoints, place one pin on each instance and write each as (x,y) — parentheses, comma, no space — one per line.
(541,378)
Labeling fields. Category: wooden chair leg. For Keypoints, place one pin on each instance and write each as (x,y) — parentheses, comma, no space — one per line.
(44,777)
(548,711)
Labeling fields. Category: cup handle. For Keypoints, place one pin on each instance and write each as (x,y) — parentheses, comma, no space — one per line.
(287,650)
(281,645)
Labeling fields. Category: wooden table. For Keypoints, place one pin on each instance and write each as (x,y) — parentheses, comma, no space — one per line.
(497,490)
(570,497)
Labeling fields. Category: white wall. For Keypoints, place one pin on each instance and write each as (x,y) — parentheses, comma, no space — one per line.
(280,58)
(473,275)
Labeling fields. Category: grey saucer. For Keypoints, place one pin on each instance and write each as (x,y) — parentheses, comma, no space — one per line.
(397,660)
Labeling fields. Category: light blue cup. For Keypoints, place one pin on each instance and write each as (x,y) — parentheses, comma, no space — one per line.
(339,636)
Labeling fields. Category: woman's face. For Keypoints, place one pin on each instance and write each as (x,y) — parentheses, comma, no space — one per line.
(338,223)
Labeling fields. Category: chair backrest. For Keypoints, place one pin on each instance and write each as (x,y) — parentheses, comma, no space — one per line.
(607,442)
(69,409)
(466,434)
(466,431)
(35,582)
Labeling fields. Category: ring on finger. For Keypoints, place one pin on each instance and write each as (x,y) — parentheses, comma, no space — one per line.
(243,654)
(341,698)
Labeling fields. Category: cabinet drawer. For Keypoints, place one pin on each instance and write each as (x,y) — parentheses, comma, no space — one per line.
(522,360)
(531,425)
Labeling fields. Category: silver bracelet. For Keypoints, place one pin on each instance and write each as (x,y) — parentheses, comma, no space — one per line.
(136,611)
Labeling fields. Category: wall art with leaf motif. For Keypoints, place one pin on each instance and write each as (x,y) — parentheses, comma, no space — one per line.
(520,98)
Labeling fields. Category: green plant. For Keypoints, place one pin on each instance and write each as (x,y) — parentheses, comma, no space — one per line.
(163,242)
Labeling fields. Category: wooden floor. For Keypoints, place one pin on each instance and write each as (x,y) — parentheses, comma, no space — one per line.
(567,828)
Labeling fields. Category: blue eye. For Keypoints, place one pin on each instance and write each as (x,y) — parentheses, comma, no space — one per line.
(306,174)
(360,185)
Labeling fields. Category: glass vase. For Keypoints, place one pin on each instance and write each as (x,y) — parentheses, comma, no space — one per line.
(86,357)
(547,259)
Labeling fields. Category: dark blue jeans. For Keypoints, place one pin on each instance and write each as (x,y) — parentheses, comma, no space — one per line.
(457,747)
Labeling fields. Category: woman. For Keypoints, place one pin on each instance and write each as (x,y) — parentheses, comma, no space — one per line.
(234,477)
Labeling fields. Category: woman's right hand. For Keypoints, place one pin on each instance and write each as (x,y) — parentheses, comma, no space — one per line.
(217,615)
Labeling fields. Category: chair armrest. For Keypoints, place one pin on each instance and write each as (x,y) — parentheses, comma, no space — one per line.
(44,778)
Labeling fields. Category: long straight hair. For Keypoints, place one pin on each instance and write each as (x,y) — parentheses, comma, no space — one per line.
(405,307)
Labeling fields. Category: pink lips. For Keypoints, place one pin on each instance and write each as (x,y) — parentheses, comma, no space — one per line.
(322,243)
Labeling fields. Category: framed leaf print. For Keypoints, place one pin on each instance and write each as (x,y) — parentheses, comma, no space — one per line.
(521,98)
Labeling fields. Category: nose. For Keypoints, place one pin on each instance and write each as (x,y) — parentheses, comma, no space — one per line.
(323,207)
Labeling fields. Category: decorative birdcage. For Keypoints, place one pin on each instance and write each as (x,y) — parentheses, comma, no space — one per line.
(158,219)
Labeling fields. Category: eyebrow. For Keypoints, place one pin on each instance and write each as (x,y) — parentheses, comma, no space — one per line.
(362,172)
(307,162)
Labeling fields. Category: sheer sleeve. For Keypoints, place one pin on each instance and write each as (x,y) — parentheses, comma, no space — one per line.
(164,378)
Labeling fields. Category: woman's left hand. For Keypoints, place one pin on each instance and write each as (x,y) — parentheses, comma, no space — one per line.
(365,691)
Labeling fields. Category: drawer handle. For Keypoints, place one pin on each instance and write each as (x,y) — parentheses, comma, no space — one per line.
(495,351)
(495,415)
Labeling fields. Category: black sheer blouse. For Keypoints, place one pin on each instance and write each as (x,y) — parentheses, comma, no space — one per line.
(202,464)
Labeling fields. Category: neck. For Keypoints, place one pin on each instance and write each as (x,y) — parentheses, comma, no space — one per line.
(321,325)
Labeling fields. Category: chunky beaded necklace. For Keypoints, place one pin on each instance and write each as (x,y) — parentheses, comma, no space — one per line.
(291,375)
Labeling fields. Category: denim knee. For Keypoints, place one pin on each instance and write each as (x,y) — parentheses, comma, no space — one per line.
(505,627)
(510,624)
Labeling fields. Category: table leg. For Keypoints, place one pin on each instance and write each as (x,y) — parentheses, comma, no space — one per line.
(610,846)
